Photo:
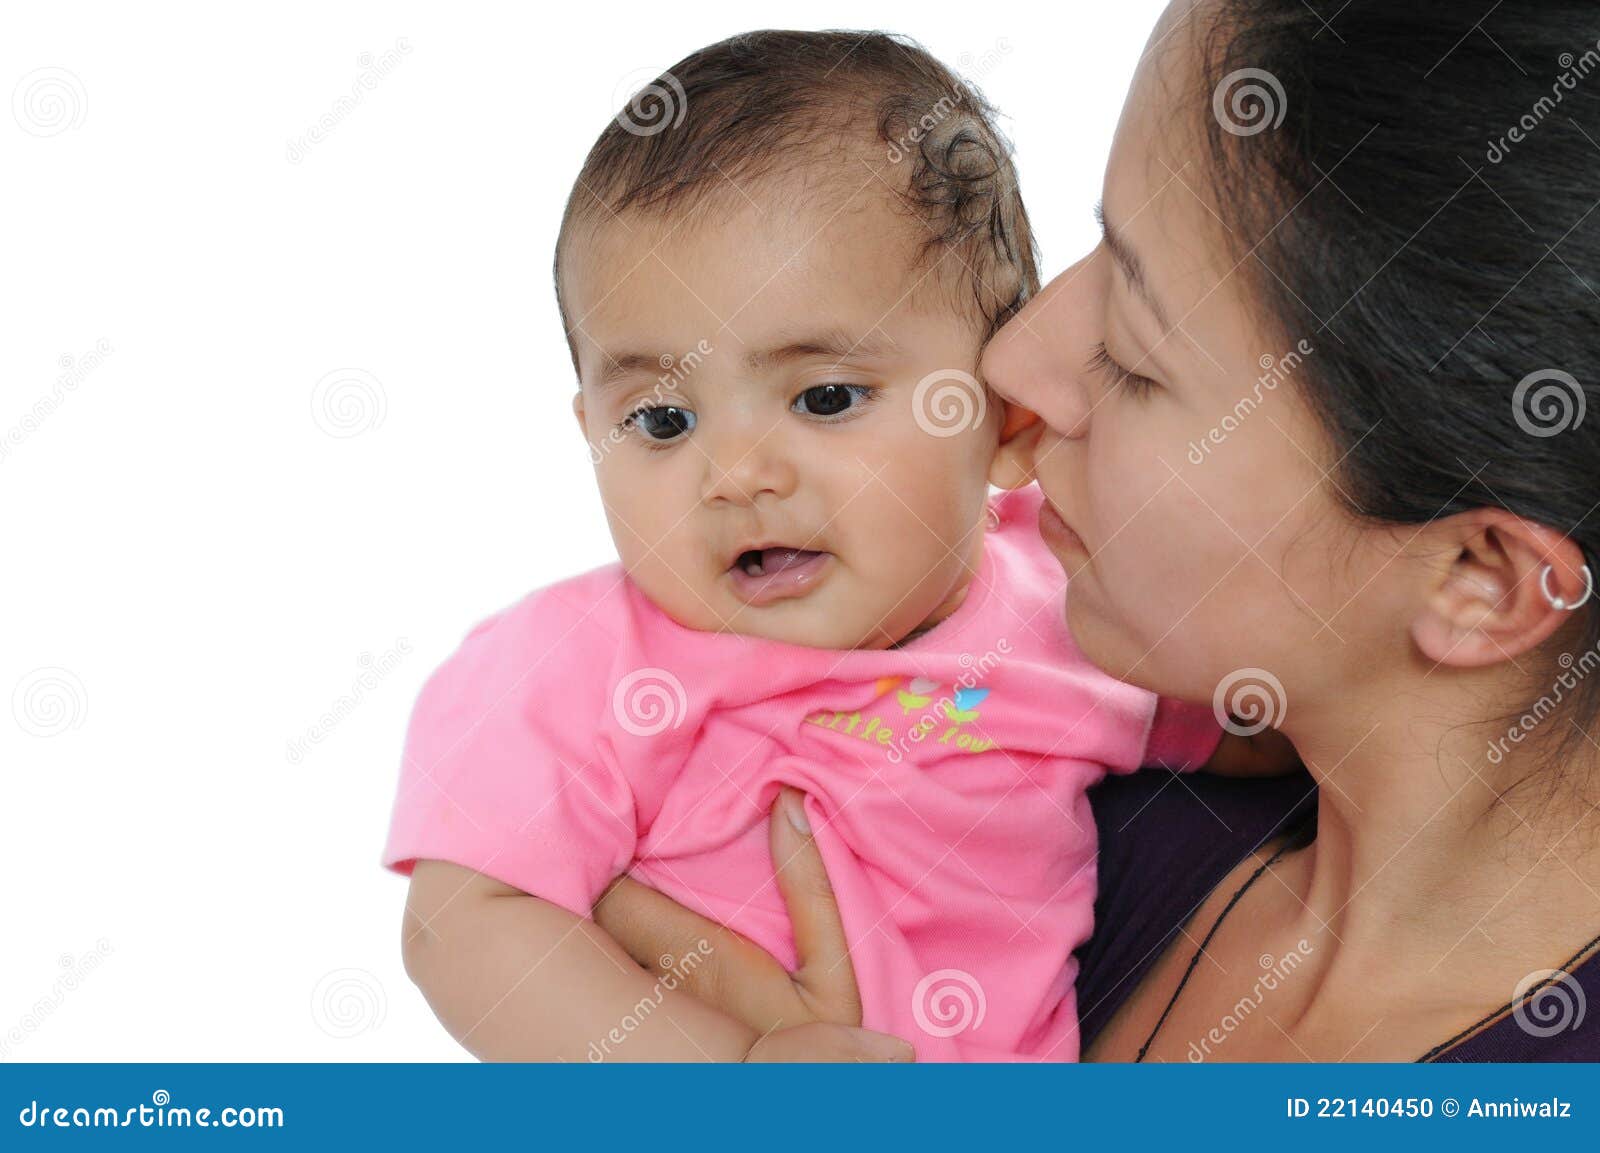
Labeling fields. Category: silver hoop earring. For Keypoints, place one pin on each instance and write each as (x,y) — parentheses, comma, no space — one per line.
(1559,603)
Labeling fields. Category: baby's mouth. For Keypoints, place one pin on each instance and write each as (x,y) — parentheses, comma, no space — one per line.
(765,561)
(763,575)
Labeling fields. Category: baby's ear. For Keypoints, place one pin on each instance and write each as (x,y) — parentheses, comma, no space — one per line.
(1012,466)
(577,411)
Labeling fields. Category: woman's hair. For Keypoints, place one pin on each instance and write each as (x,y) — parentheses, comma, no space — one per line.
(1412,187)
(775,103)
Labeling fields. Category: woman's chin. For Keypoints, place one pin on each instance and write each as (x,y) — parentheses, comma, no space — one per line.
(1102,644)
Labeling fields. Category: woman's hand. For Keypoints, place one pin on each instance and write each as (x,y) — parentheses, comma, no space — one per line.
(811,1014)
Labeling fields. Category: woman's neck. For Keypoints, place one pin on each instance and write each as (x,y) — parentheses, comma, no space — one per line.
(1426,850)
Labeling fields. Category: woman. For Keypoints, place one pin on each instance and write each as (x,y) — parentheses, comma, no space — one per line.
(1312,425)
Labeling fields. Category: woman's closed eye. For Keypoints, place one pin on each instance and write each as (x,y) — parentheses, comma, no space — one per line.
(1100,362)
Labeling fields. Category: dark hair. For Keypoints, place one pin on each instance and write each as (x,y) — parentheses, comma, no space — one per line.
(763,103)
(1417,186)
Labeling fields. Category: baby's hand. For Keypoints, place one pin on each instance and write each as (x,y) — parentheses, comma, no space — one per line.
(1266,754)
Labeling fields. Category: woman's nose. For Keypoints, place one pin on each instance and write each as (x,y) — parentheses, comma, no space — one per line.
(1039,358)
(746,460)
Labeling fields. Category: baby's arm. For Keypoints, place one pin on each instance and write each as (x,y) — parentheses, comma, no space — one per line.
(513,977)
(1265,754)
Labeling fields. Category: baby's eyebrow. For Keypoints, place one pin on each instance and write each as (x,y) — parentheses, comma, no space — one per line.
(830,344)
(631,364)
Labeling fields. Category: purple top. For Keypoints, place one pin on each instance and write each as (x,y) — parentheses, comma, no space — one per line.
(1164,847)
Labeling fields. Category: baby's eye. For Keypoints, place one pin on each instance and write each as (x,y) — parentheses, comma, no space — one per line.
(664,423)
(831,399)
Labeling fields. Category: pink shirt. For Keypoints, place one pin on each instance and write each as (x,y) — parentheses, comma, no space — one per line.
(581,733)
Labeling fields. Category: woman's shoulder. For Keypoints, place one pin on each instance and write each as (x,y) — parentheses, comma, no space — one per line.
(1166,841)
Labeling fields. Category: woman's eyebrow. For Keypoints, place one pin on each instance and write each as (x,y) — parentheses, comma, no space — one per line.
(1132,267)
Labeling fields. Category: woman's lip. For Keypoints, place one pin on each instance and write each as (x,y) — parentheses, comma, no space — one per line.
(786,584)
(1057,533)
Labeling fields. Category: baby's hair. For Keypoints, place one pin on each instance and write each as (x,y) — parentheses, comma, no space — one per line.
(772,102)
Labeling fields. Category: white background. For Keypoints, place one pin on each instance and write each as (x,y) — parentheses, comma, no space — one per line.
(196,568)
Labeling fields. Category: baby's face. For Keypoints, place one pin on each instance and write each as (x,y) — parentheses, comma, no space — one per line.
(786,432)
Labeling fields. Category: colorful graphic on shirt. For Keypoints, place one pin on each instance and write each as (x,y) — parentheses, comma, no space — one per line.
(945,719)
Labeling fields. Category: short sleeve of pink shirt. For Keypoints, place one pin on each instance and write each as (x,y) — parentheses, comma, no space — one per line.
(1182,736)
(507,769)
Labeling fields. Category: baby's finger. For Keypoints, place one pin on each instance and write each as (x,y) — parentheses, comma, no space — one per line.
(825,977)
(712,963)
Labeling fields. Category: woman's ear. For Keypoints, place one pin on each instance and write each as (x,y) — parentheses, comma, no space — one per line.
(1491,601)
(1012,466)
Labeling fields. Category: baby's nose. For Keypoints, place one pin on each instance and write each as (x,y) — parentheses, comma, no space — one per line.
(744,464)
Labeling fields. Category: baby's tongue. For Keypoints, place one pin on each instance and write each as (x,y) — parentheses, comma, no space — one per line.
(777,559)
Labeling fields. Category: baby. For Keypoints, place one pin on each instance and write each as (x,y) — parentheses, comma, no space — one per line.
(777,270)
